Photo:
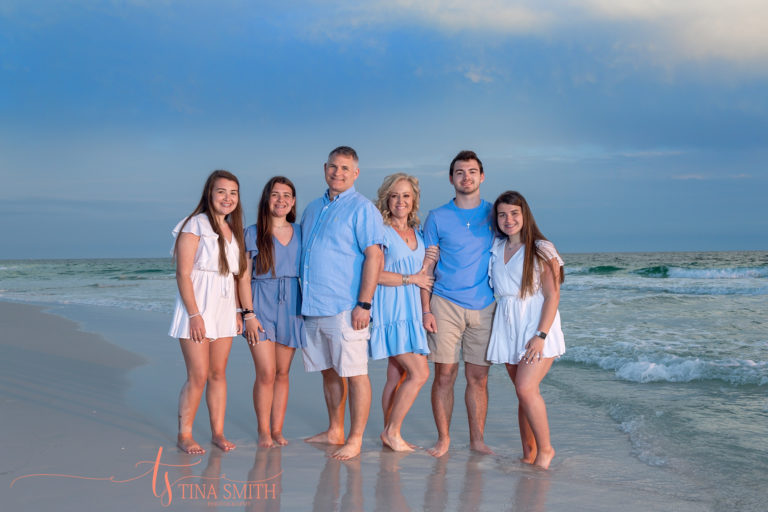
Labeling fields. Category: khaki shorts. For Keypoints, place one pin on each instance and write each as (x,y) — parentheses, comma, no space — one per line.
(333,343)
(460,328)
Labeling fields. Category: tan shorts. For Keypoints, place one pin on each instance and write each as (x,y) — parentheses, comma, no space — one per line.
(460,328)
(333,343)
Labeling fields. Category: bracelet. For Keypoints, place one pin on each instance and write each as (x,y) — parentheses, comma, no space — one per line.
(406,280)
(193,316)
(245,311)
(427,313)
(238,310)
(247,317)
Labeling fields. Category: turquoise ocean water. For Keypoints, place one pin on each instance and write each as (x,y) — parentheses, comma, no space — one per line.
(673,347)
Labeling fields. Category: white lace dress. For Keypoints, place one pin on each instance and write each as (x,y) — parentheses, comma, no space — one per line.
(516,320)
(214,293)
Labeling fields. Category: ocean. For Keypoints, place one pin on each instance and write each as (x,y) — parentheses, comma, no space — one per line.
(672,347)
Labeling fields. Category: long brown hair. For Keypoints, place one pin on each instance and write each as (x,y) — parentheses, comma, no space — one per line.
(528,236)
(265,259)
(382,202)
(234,219)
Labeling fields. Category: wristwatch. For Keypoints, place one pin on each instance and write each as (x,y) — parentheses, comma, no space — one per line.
(541,334)
(364,305)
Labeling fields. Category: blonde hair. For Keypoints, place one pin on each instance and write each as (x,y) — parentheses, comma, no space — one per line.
(382,203)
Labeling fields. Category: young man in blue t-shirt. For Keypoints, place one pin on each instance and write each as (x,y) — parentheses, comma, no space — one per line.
(459,313)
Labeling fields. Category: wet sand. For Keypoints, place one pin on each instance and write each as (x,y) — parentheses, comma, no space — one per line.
(90,393)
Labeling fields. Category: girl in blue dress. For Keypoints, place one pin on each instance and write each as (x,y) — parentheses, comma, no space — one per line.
(396,330)
(271,301)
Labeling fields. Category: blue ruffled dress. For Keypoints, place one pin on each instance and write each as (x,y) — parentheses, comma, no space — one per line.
(397,326)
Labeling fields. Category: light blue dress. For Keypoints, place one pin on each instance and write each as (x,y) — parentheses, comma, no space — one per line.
(397,326)
(277,299)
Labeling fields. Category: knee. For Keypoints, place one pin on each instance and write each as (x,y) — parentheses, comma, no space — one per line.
(197,378)
(266,378)
(477,381)
(526,391)
(420,376)
(217,375)
(445,380)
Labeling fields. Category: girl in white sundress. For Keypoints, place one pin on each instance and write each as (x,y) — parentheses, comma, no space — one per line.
(209,252)
(526,272)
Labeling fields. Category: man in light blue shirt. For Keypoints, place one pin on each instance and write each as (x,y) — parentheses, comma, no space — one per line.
(459,313)
(341,262)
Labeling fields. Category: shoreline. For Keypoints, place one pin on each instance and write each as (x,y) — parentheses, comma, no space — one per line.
(111,386)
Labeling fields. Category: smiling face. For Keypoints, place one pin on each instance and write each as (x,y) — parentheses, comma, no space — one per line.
(400,201)
(509,218)
(341,171)
(466,177)
(281,200)
(224,196)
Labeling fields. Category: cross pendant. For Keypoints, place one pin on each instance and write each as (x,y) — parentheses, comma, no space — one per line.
(467,224)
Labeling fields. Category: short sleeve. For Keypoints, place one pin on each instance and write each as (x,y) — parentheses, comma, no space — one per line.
(546,248)
(251,248)
(197,225)
(369,228)
(430,231)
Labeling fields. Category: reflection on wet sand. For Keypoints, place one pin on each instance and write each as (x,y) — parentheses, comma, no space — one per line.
(531,492)
(389,493)
(267,465)
(329,484)
(436,493)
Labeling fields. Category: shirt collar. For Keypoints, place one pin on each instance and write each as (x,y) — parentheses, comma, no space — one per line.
(348,192)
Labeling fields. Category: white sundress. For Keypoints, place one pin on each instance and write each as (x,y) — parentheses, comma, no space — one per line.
(214,292)
(517,320)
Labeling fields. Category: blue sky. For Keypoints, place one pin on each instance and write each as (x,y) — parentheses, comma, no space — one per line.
(629,125)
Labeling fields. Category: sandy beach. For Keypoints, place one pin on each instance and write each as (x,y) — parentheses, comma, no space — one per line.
(89,422)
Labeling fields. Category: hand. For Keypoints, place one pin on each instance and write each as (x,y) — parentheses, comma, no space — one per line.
(197,329)
(422,280)
(360,318)
(252,329)
(533,350)
(430,324)
(239,320)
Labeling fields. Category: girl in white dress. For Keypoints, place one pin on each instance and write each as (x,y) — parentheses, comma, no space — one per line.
(208,251)
(526,272)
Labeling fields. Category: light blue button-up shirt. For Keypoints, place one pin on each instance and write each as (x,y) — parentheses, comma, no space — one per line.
(336,234)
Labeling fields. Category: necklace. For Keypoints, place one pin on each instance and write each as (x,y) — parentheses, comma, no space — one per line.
(404,233)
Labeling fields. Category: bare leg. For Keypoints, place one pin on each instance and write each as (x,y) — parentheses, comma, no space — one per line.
(360,406)
(395,377)
(335,390)
(196,361)
(216,392)
(442,405)
(476,398)
(526,434)
(263,354)
(416,375)
(527,381)
(283,359)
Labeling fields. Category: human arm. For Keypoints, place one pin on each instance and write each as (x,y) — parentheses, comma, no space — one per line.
(550,288)
(372,267)
(431,256)
(422,280)
(185,261)
(252,325)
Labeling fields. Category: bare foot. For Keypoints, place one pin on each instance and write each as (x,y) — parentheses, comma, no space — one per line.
(529,456)
(527,460)
(328,437)
(278,438)
(481,447)
(266,441)
(440,448)
(350,450)
(395,443)
(223,443)
(544,457)
(189,445)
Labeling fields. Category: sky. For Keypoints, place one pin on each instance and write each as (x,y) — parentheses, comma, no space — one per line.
(629,125)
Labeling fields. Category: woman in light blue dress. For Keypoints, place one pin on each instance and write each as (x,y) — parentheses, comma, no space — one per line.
(271,301)
(396,330)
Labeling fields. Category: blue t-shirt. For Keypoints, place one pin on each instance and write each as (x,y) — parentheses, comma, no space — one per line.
(335,235)
(465,237)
